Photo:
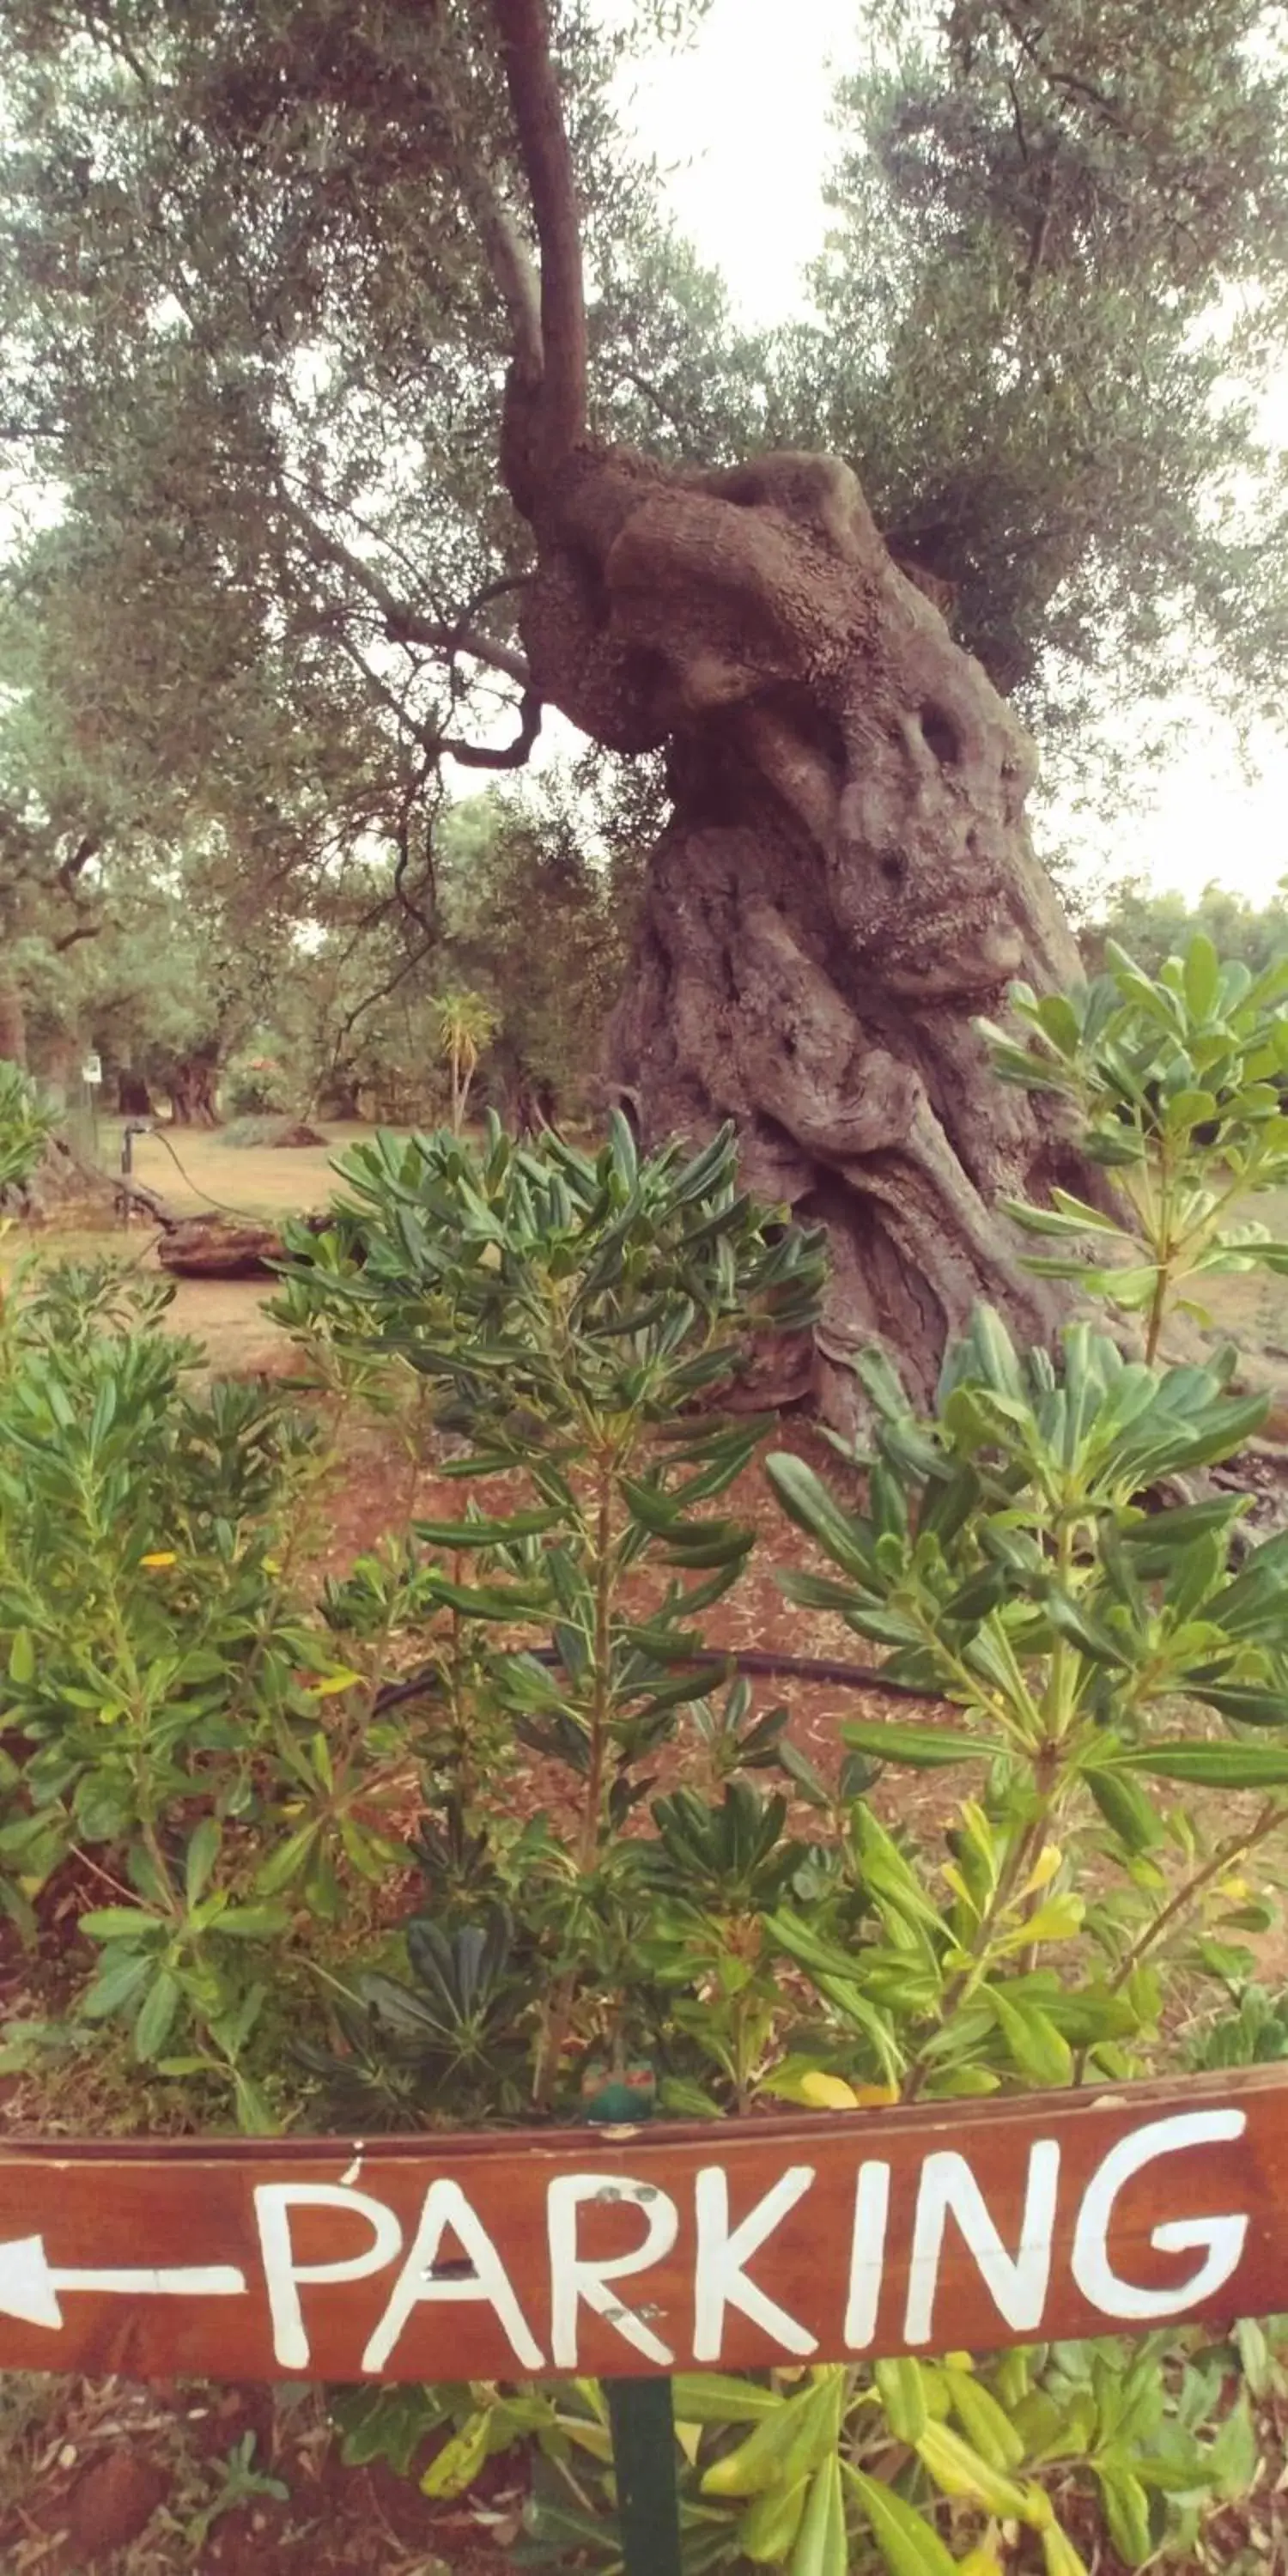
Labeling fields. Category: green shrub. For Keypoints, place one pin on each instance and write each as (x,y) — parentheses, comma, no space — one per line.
(576,1316)
(25,1127)
(255,1087)
(1176,1086)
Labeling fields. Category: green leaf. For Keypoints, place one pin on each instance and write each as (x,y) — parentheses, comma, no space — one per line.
(622,1148)
(712,2397)
(1059,1919)
(821,2548)
(800,1769)
(252,1922)
(117,1923)
(481,1601)
(202,1854)
(1059,2557)
(484,1533)
(901,2388)
(806,1500)
(907,2542)
(1127,2514)
(1069,1223)
(1058,1021)
(284,1864)
(1091,1219)
(1040,2051)
(156,2015)
(919,1748)
(1127,1810)
(987,2426)
(117,1984)
(1239,1700)
(22,1658)
(455,2467)
(255,2115)
(783,2446)
(769,2526)
(102,1807)
(1211,1766)
(1202,975)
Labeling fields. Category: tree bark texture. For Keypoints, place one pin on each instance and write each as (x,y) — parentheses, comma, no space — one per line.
(847,880)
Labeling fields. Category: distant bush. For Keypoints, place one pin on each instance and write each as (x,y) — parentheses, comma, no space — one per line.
(255,1086)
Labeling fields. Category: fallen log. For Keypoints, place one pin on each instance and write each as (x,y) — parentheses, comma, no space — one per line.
(219,1247)
(225,1247)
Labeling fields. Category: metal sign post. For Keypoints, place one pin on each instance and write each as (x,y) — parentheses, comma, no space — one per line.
(92,1082)
(641,2412)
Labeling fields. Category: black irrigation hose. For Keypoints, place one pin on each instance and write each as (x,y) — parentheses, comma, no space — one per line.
(189,1183)
(801,1668)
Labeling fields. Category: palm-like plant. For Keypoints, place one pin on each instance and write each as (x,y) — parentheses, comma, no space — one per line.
(465,1023)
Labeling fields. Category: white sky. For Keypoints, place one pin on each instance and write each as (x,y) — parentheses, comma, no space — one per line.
(741,118)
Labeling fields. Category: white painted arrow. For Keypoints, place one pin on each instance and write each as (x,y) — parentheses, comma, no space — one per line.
(29,2285)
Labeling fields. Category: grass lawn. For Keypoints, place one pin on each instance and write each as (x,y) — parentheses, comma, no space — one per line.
(260,1181)
(248,1180)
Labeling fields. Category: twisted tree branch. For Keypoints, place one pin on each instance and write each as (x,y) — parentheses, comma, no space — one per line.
(524,29)
(403,623)
(436,745)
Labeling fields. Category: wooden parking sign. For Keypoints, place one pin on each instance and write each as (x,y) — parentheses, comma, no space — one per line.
(626,2252)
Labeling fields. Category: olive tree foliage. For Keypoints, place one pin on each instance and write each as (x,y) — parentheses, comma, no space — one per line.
(523,919)
(1054,292)
(53,835)
(384,413)
(1153,927)
(524,923)
(255,339)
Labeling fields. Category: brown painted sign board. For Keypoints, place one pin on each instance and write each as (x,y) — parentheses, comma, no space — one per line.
(622,2252)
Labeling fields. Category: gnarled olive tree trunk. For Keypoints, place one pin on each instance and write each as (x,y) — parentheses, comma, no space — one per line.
(192,1083)
(846,882)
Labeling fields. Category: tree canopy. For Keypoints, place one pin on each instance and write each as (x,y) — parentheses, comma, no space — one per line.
(264,270)
(1055,289)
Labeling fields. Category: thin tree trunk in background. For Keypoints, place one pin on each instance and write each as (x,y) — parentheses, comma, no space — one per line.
(133,1098)
(13,1020)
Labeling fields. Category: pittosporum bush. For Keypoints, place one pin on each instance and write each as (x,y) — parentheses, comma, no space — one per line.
(25,1126)
(228,1748)
(580,1319)
(1176,1086)
(1008,1562)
